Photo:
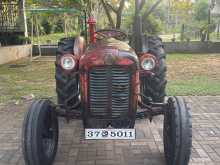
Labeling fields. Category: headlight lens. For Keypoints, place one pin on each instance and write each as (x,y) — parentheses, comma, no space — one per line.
(68,62)
(148,63)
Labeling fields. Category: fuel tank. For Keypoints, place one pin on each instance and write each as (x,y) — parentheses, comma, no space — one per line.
(108,52)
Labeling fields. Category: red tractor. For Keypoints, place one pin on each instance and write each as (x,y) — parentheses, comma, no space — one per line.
(108,85)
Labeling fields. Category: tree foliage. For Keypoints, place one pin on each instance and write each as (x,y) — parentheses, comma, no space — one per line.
(200,10)
(200,19)
(152,23)
(54,22)
(55,3)
(180,11)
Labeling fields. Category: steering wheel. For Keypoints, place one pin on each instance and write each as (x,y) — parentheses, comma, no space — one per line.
(108,33)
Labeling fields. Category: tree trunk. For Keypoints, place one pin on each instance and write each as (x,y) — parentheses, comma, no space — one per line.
(25,20)
(209,22)
(142,4)
(119,12)
(118,23)
(182,33)
(148,12)
(108,14)
(218,29)
(22,17)
(65,25)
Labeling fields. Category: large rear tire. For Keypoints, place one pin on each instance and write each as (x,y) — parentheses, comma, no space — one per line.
(40,134)
(154,86)
(177,132)
(67,87)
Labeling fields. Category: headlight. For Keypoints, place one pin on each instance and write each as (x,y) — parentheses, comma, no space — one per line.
(68,62)
(148,63)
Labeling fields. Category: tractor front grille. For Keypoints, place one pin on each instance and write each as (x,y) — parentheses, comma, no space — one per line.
(109,91)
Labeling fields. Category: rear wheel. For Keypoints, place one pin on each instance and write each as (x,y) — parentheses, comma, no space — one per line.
(66,83)
(177,132)
(40,134)
(154,86)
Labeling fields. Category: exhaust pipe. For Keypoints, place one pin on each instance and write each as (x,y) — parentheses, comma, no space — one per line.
(139,39)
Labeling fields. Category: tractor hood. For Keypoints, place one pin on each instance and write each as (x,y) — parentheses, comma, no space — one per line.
(108,52)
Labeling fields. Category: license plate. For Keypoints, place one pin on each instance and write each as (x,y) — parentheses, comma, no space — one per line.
(128,134)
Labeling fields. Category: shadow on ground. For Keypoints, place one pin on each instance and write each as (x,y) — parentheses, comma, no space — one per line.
(146,149)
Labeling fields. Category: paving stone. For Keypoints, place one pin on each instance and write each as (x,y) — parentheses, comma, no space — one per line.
(146,149)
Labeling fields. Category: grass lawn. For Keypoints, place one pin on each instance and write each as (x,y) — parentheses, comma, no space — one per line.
(24,78)
(187,75)
(52,38)
(193,74)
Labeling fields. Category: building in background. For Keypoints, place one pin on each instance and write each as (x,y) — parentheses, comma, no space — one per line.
(215,12)
(216,8)
(12,20)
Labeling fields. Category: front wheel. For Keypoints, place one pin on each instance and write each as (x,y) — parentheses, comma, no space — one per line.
(177,132)
(40,134)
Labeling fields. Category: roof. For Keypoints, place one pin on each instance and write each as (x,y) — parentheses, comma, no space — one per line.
(54,10)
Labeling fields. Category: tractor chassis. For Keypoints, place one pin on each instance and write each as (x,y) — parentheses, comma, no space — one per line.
(144,111)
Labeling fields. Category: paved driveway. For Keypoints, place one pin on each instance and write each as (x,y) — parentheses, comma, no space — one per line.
(147,149)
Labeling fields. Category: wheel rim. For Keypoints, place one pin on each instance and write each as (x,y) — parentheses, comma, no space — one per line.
(49,134)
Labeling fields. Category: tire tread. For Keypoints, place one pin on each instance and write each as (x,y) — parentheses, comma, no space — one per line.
(66,84)
(154,86)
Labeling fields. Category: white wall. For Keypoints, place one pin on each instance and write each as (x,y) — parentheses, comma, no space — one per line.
(13,53)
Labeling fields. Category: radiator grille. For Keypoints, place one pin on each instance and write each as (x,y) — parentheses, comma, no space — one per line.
(109,90)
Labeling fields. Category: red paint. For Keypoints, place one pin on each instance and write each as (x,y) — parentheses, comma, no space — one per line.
(148,55)
(125,61)
(135,86)
(84,87)
(98,57)
(103,56)
(92,22)
(76,59)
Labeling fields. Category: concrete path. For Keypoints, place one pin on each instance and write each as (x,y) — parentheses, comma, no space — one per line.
(146,149)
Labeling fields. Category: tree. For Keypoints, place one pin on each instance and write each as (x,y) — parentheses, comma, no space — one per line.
(112,8)
(152,21)
(55,3)
(200,10)
(180,11)
(150,10)
(56,22)
(202,19)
